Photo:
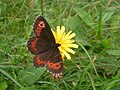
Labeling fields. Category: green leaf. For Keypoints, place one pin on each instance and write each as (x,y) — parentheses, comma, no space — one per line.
(30,75)
(113,52)
(9,76)
(3,85)
(80,33)
(107,15)
(70,20)
(85,16)
(81,37)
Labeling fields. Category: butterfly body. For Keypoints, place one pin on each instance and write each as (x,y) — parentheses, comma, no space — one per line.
(44,47)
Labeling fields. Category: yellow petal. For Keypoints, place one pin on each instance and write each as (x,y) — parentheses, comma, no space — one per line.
(72,35)
(62,28)
(61,33)
(67,55)
(58,31)
(70,50)
(69,45)
(66,36)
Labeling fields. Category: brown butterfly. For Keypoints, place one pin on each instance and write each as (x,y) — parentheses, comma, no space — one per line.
(42,44)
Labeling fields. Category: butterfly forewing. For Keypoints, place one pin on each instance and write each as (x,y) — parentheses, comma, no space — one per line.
(37,45)
(42,29)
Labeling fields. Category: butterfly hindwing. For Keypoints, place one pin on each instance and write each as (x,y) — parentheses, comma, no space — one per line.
(51,59)
(42,58)
(54,63)
(38,61)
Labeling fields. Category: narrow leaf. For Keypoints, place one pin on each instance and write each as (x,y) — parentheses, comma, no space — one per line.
(85,16)
(10,77)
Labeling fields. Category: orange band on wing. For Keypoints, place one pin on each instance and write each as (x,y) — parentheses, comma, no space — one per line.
(39,61)
(33,44)
(55,66)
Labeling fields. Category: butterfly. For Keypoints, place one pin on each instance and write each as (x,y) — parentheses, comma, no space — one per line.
(42,44)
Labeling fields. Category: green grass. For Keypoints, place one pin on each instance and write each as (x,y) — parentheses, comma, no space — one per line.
(96,64)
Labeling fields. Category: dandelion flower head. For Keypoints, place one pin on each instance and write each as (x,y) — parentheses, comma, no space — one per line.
(66,41)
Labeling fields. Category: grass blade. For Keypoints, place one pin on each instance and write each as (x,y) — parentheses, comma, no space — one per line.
(8,75)
(100,30)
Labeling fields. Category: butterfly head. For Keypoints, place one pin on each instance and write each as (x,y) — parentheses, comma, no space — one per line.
(58,45)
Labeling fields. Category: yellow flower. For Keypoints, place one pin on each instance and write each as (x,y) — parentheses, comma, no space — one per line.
(65,40)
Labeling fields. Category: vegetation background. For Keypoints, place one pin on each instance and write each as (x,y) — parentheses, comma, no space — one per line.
(96,64)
